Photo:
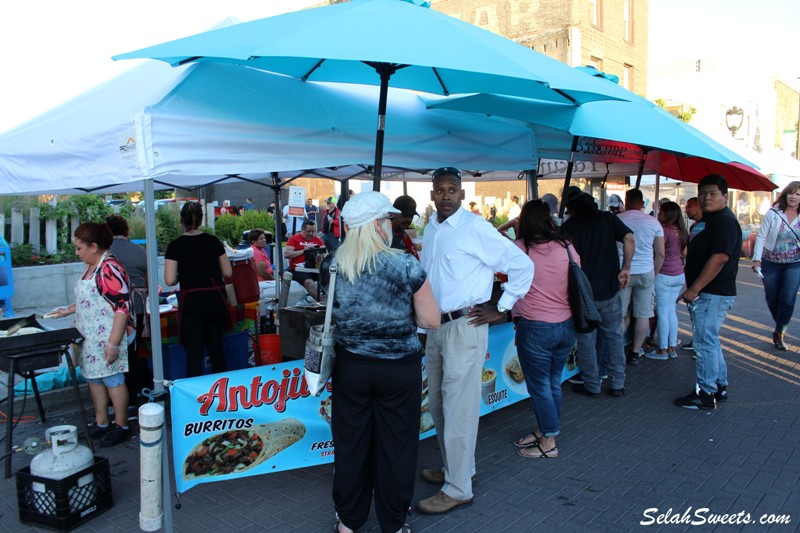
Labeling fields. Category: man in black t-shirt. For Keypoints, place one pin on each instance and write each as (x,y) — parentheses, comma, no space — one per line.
(595,234)
(711,267)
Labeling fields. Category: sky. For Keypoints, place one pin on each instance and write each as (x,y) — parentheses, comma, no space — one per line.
(53,50)
(760,36)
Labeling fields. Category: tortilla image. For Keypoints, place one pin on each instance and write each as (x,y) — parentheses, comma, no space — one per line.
(238,450)
(514,370)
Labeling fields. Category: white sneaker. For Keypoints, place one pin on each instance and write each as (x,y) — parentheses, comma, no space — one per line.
(656,356)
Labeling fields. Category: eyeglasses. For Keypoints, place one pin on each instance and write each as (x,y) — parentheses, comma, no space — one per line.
(446,171)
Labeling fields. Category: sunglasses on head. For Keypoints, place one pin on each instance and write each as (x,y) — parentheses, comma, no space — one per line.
(446,171)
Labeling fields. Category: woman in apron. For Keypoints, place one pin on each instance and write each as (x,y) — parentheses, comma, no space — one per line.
(102,315)
(198,261)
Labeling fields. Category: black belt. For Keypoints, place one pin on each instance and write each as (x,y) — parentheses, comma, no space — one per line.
(458,313)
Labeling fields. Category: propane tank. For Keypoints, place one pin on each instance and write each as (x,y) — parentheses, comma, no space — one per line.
(64,458)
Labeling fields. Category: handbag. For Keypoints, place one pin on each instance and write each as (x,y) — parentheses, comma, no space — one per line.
(320,356)
(581,299)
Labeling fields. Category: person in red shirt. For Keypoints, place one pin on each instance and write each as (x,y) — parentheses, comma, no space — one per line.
(297,243)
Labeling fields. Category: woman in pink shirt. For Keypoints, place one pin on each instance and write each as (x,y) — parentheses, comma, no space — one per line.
(669,280)
(261,264)
(545,332)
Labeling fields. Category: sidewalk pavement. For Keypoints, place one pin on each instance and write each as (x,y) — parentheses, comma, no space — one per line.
(618,457)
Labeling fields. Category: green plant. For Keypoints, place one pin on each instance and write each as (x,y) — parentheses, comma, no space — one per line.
(22,254)
(137,227)
(168,227)
(255,219)
(227,229)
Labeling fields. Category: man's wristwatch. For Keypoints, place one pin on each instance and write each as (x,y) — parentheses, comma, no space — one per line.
(502,310)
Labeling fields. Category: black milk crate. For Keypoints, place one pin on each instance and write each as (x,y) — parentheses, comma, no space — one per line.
(64,503)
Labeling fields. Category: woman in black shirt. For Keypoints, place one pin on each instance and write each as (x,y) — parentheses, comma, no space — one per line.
(198,261)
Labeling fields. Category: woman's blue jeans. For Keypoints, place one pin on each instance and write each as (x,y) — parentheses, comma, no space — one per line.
(543,349)
(781,281)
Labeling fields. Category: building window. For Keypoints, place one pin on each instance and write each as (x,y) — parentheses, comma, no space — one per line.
(596,15)
(627,77)
(596,62)
(627,19)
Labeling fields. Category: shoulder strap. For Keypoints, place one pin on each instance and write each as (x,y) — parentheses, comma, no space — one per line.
(569,254)
(329,305)
(784,220)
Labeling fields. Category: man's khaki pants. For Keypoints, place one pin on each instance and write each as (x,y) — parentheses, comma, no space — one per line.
(454,356)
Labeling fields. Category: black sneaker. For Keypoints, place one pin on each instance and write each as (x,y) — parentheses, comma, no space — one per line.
(721,396)
(617,392)
(577,379)
(688,346)
(97,432)
(632,358)
(115,436)
(697,400)
(581,389)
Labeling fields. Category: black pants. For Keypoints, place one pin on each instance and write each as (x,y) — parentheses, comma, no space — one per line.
(375,426)
(138,376)
(203,325)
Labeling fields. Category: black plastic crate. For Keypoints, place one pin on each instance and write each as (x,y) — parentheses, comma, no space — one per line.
(64,503)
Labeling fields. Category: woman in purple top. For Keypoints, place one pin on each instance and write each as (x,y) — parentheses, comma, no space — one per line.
(669,280)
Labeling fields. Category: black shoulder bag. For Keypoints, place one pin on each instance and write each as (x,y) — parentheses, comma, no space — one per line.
(581,299)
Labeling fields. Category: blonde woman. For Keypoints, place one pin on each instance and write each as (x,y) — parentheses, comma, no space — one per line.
(380,298)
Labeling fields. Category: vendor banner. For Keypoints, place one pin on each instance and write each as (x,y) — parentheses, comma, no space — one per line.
(263,419)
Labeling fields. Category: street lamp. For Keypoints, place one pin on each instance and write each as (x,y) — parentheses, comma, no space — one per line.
(734,117)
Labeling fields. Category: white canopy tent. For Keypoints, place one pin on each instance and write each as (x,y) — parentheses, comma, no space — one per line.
(191,125)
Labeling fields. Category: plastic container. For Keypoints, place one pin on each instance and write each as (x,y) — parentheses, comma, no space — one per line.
(245,282)
(174,356)
(63,504)
(270,346)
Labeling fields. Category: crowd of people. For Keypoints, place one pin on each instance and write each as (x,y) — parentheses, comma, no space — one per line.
(394,304)
(638,265)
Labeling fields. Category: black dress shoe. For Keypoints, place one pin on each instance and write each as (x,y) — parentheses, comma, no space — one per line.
(581,389)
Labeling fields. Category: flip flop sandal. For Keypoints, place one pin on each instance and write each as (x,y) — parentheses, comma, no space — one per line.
(543,454)
(518,442)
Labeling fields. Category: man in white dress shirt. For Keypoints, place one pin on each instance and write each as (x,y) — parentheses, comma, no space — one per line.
(461,253)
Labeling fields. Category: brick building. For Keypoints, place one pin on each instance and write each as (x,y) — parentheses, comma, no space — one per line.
(610,35)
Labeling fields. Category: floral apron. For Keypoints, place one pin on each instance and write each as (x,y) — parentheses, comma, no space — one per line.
(94,318)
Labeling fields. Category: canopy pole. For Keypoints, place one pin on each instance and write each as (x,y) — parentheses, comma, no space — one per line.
(278,259)
(155,338)
(658,195)
(533,181)
(385,72)
(568,177)
(641,169)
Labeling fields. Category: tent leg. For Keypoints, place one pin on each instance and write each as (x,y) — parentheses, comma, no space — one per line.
(568,177)
(155,338)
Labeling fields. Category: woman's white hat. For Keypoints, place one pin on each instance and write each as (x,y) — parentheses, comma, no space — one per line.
(365,207)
